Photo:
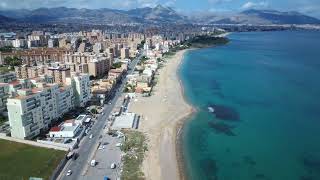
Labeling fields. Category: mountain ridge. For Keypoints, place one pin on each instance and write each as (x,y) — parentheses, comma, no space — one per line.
(157,14)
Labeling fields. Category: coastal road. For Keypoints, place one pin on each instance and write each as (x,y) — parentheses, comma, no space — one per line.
(89,146)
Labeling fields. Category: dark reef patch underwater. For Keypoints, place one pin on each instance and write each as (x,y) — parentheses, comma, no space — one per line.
(222,128)
(225,112)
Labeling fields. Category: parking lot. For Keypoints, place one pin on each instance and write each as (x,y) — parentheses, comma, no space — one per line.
(106,154)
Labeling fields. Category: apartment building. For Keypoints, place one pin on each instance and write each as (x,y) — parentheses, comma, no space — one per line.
(77,68)
(81,88)
(7,77)
(32,110)
(25,114)
(59,74)
(65,100)
(124,53)
(26,71)
(99,67)
(38,55)
(4,94)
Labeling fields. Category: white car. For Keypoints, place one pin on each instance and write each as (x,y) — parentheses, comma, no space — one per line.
(91,136)
(93,163)
(69,172)
(113,166)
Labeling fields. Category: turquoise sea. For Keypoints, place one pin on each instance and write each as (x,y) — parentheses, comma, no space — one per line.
(264,88)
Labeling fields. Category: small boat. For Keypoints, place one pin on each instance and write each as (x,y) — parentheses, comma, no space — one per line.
(210,109)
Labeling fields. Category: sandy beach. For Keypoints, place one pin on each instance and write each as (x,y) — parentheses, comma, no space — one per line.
(161,115)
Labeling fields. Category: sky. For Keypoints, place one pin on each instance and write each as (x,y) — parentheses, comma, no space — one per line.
(310,7)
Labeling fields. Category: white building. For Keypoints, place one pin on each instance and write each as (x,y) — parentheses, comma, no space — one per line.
(31,111)
(81,88)
(68,129)
(65,100)
(18,43)
(25,114)
(126,121)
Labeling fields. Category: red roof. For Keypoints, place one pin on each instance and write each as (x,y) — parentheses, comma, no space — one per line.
(14,83)
(55,129)
(69,121)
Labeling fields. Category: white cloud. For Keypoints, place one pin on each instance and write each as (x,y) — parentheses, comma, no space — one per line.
(218,1)
(118,4)
(170,3)
(249,5)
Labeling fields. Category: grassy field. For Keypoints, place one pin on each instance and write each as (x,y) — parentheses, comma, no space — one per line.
(21,161)
(134,147)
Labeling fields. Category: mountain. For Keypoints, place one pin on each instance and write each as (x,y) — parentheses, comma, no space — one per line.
(158,14)
(277,17)
(4,19)
(257,17)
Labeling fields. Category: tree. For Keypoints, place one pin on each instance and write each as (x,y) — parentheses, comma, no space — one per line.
(6,49)
(94,111)
(116,65)
(12,61)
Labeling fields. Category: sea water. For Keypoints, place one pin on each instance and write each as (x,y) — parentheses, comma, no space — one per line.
(264,88)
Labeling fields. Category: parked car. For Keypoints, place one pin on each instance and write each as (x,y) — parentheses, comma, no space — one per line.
(93,163)
(113,166)
(75,156)
(69,172)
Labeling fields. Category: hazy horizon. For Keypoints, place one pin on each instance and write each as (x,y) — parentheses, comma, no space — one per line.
(308,7)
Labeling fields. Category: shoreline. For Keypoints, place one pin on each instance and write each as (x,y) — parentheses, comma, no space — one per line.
(180,126)
(163,116)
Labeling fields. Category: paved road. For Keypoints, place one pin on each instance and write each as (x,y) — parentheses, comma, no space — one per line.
(89,146)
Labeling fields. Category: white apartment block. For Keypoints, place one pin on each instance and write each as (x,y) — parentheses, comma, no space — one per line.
(25,114)
(31,111)
(65,100)
(81,88)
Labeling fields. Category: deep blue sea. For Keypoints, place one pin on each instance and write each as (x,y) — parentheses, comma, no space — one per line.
(264,88)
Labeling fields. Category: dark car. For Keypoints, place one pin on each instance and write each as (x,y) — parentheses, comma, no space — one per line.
(75,156)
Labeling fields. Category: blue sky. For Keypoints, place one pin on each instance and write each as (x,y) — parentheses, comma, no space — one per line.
(310,7)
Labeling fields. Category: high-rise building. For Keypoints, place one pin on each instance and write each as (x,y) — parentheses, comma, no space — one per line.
(99,67)
(31,111)
(125,53)
(81,88)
